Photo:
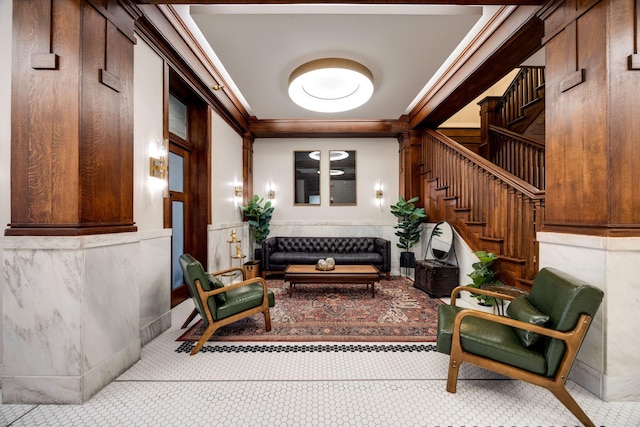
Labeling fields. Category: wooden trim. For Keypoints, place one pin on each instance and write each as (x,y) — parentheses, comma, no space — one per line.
(602,230)
(157,29)
(44,59)
(458,2)
(634,59)
(504,44)
(299,128)
(572,80)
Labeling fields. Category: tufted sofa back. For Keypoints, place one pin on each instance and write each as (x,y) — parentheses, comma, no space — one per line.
(340,245)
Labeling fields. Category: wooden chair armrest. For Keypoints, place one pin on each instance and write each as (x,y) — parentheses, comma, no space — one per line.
(229,270)
(458,289)
(564,336)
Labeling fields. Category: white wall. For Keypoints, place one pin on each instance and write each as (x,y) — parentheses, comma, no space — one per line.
(226,172)
(155,241)
(147,135)
(5,134)
(376,160)
(469,116)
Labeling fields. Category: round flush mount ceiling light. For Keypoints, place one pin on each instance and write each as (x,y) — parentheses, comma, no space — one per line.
(331,85)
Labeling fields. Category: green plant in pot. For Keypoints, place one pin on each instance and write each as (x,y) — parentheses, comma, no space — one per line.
(258,214)
(408,228)
(483,274)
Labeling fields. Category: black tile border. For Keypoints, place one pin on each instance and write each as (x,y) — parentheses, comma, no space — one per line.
(186,347)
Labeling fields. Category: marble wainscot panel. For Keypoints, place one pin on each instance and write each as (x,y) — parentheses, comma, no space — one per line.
(155,283)
(219,249)
(608,364)
(71,315)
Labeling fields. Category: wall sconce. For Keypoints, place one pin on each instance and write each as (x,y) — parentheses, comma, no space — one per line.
(379,194)
(158,167)
(237,190)
(271,191)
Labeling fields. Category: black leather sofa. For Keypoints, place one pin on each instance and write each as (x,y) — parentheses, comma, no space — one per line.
(279,252)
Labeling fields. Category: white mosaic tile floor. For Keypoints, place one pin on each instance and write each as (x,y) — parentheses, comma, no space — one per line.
(348,387)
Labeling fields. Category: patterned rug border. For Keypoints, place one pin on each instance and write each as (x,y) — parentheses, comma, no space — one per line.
(186,347)
(388,335)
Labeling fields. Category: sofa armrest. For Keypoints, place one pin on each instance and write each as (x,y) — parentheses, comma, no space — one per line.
(268,247)
(383,247)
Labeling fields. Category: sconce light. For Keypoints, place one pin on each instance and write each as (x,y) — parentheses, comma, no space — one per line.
(158,167)
(379,194)
(237,190)
(271,191)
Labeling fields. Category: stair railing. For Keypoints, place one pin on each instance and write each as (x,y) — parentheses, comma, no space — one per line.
(509,210)
(522,91)
(518,155)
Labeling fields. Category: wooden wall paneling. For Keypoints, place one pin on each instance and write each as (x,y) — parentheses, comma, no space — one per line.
(624,115)
(592,129)
(634,58)
(72,137)
(43,58)
(106,149)
(247,166)
(44,119)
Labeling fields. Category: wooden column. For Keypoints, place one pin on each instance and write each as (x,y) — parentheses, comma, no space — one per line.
(247,166)
(411,166)
(72,117)
(592,117)
(487,117)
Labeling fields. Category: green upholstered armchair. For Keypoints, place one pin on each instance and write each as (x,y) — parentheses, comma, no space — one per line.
(538,341)
(220,305)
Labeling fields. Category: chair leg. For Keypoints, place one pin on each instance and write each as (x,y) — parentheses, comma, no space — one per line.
(452,376)
(569,402)
(267,320)
(203,339)
(190,318)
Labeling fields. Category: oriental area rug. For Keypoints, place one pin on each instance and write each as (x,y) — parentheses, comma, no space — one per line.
(325,312)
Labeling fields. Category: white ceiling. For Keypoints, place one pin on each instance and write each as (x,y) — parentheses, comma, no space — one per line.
(259,47)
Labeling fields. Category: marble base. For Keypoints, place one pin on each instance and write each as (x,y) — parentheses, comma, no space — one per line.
(71,315)
(608,364)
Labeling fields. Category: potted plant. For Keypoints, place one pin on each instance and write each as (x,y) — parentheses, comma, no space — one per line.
(259,217)
(483,274)
(408,228)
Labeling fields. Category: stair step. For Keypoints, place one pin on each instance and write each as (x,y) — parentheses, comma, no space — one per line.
(492,239)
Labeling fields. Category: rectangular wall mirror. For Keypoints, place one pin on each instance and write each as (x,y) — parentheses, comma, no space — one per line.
(342,173)
(307,177)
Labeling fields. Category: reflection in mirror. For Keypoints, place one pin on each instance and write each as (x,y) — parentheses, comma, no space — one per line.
(342,176)
(307,177)
(441,241)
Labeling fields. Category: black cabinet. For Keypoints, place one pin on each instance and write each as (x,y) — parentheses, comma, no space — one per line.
(436,278)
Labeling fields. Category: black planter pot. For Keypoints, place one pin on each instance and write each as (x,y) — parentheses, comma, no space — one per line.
(257,254)
(407,259)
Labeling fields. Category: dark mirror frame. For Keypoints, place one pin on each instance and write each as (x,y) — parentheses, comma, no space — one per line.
(343,187)
(441,242)
(306,178)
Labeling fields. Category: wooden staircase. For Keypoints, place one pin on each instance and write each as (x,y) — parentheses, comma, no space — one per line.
(489,208)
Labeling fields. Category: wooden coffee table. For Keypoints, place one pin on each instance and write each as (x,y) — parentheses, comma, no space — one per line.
(348,274)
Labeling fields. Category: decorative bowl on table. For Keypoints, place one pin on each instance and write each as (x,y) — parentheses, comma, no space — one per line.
(325,264)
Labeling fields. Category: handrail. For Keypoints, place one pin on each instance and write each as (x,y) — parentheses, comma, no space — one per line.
(470,192)
(504,176)
(521,156)
(522,91)
(522,138)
